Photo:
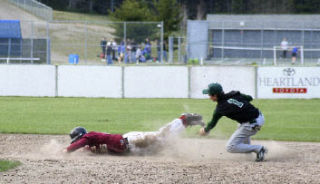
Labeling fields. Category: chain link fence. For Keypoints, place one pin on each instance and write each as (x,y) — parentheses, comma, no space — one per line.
(177,50)
(100,42)
(262,40)
(105,42)
(35,8)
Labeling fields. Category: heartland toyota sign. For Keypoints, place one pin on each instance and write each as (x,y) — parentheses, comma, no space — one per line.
(288,82)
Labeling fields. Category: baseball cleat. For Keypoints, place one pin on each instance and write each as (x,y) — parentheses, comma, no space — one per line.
(190,119)
(261,153)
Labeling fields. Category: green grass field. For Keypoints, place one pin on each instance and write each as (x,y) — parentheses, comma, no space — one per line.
(286,119)
(6,165)
(64,15)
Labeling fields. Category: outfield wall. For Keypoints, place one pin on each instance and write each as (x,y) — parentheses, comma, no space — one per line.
(27,80)
(157,81)
(89,81)
(231,78)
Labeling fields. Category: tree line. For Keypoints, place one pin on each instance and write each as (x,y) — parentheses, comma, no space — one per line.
(197,9)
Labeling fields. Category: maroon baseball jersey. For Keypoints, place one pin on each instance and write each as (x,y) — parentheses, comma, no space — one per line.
(114,142)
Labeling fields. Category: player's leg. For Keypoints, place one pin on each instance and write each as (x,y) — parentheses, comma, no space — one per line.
(178,125)
(173,128)
(160,137)
(141,139)
(236,143)
(247,141)
(240,140)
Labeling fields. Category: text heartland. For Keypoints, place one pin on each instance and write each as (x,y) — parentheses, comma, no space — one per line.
(289,81)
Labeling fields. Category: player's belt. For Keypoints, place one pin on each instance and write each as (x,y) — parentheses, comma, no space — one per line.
(254,119)
(126,142)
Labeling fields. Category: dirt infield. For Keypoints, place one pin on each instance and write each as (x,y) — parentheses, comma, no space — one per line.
(189,161)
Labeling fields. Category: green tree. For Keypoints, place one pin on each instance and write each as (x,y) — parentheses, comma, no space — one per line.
(169,12)
(306,6)
(131,12)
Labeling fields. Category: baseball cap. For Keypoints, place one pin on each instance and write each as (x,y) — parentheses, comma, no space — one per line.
(213,89)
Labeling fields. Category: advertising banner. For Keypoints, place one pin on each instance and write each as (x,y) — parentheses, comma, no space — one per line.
(288,82)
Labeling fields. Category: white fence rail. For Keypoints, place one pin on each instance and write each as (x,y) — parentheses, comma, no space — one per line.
(156,81)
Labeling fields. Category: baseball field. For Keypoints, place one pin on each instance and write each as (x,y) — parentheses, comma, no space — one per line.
(35,130)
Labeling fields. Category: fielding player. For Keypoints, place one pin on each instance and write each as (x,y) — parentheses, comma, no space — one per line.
(133,141)
(236,106)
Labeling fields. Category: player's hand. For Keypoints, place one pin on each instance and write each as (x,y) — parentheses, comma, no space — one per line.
(103,148)
(93,149)
(202,132)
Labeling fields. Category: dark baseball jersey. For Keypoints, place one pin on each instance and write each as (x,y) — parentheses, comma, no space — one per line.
(114,142)
(235,106)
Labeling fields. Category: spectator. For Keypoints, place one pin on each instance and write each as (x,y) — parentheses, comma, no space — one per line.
(164,51)
(138,54)
(294,54)
(147,49)
(128,53)
(158,50)
(103,44)
(114,49)
(109,53)
(133,51)
(284,47)
(121,52)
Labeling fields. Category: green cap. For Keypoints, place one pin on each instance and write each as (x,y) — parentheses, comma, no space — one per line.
(213,89)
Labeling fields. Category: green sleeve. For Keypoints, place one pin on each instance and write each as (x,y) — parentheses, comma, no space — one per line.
(216,116)
(247,97)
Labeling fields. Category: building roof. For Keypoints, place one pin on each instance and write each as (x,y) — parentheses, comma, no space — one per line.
(254,21)
(10,29)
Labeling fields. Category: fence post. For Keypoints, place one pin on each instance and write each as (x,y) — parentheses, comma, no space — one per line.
(9,50)
(222,42)
(170,49)
(161,49)
(86,44)
(125,41)
(31,42)
(179,49)
(274,55)
(262,41)
(48,45)
(301,55)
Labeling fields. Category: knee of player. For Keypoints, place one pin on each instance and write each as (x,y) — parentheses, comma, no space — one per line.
(231,148)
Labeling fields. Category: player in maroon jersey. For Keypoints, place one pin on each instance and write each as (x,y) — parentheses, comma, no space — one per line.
(99,142)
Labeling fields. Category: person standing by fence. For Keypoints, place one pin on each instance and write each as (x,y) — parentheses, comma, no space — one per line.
(294,54)
(109,53)
(284,47)
(103,44)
